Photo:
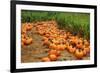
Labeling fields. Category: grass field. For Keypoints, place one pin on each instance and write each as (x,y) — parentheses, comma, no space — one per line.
(76,23)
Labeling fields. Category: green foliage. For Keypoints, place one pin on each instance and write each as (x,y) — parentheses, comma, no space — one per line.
(74,22)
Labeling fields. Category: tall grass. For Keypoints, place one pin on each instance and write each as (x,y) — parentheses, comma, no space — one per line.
(77,23)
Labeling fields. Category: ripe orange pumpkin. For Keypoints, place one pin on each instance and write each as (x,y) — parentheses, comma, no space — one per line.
(45,38)
(45,59)
(79,45)
(86,43)
(72,49)
(54,52)
(52,46)
(23,40)
(23,31)
(87,49)
(84,52)
(79,53)
(28,26)
(28,41)
(41,32)
(47,35)
(53,57)
(23,36)
(68,47)
(46,41)
(74,41)
(61,47)
(55,41)
(80,40)
(68,33)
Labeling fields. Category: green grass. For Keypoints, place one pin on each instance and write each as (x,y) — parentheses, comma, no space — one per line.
(78,23)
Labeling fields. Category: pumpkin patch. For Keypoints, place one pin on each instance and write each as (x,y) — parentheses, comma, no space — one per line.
(51,41)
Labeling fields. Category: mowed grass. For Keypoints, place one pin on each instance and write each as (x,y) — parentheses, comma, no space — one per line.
(76,23)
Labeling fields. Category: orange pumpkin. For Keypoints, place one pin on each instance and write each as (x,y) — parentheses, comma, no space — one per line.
(29,27)
(47,35)
(79,53)
(68,47)
(55,41)
(46,42)
(68,33)
(61,47)
(79,45)
(74,41)
(80,40)
(84,52)
(45,59)
(28,41)
(72,49)
(58,53)
(41,32)
(23,31)
(86,43)
(54,52)
(52,46)
(53,57)
(23,40)
(23,36)
(87,49)
(45,38)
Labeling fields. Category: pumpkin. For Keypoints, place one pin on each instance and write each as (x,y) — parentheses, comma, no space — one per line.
(86,43)
(41,32)
(84,52)
(53,57)
(23,36)
(54,52)
(45,38)
(28,41)
(72,49)
(46,42)
(61,47)
(80,40)
(52,46)
(68,47)
(55,41)
(74,41)
(47,35)
(68,33)
(45,59)
(23,40)
(87,49)
(79,45)
(79,54)
(45,24)
(23,31)
(29,27)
